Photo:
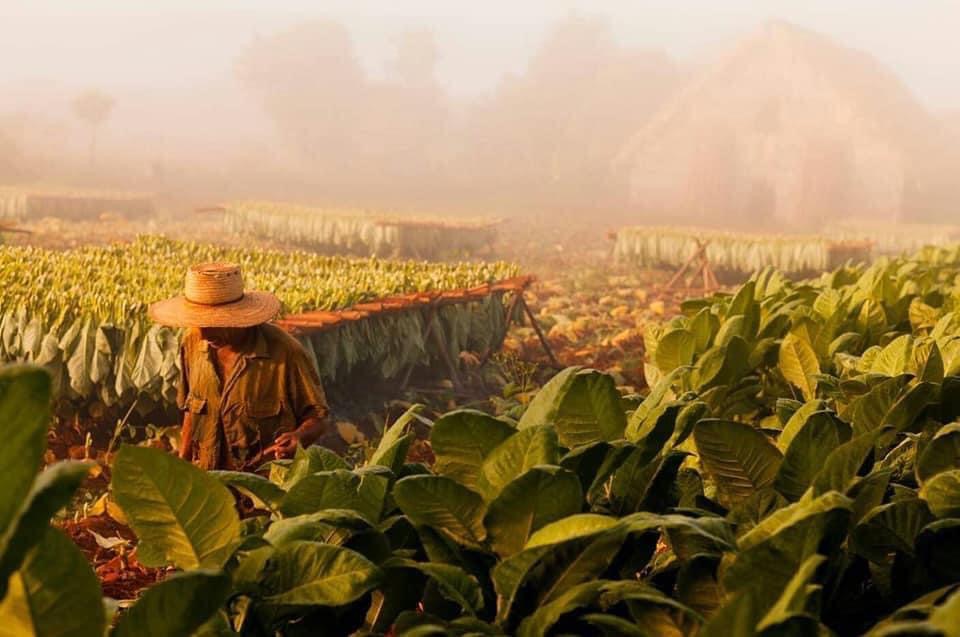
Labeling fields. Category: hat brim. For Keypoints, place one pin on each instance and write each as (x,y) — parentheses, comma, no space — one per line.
(252,309)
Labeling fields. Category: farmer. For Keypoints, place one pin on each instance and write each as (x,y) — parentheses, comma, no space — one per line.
(247,390)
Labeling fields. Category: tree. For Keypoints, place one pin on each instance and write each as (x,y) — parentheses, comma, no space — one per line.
(310,84)
(93,108)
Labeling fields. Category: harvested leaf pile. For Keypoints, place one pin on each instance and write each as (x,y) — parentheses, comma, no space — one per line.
(595,318)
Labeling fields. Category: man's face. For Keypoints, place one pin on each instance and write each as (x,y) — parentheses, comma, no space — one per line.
(220,336)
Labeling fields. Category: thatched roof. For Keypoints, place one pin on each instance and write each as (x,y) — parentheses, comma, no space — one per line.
(788,127)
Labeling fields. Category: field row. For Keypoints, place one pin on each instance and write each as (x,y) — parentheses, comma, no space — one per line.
(82,313)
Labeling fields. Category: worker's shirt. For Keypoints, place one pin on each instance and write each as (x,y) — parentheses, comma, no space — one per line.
(271,389)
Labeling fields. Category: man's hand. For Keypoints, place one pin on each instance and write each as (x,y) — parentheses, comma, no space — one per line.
(284,446)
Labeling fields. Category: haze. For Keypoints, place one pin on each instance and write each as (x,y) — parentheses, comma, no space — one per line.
(441,104)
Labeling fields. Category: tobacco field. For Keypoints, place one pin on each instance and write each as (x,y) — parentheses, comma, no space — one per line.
(792,469)
(81,314)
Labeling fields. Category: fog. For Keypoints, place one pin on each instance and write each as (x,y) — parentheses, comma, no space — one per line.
(505,107)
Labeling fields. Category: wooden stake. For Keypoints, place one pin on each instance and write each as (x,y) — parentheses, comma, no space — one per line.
(536,327)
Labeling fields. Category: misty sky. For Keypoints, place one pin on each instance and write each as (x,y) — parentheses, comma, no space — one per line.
(175,44)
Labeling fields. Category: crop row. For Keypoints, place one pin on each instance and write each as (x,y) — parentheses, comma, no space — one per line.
(655,247)
(894,238)
(361,232)
(82,313)
(795,469)
(35,203)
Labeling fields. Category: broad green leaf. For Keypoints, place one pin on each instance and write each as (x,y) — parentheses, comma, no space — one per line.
(515,456)
(799,365)
(895,358)
(722,365)
(570,527)
(540,496)
(890,402)
(888,528)
(52,490)
(797,420)
(739,458)
(645,486)
(872,320)
(704,325)
(935,549)
(675,349)
(444,505)
(566,566)
(737,618)
(330,526)
(54,593)
(780,544)
(614,626)
(453,582)
(806,455)
(462,439)
(656,428)
(323,490)
(941,454)
(697,585)
(795,598)
(791,515)
(372,491)
(392,450)
(922,316)
(540,622)
(927,363)
(182,515)
(309,461)
(942,493)
(307,574)
(735,325)
(827,303)
(842,464)
(868,493)
(660,393)
(257,486)
(946,616)
(509,573)
(582,404)
(176,606)
(24,414)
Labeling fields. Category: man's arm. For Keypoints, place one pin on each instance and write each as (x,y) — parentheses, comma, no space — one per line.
(186,436)
(307,399)
(312,426)
(186,429)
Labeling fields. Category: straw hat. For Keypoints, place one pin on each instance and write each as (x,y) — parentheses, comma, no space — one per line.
(214,297)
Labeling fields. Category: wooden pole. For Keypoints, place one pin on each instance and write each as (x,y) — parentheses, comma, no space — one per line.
(540,335)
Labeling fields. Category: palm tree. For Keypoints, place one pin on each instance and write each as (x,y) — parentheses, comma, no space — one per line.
(93,107)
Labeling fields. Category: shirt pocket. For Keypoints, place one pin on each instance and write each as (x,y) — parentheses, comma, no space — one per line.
(262,418)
